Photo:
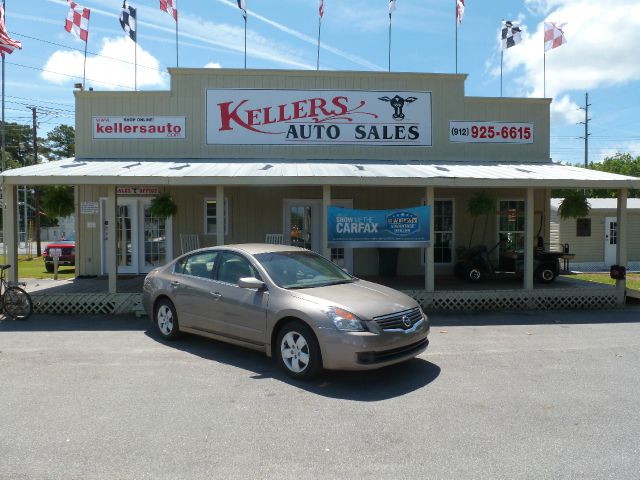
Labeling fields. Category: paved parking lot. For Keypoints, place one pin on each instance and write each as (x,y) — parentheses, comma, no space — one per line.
(549,395)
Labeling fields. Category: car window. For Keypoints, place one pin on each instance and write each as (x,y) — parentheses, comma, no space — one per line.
(198,265)
(233,267)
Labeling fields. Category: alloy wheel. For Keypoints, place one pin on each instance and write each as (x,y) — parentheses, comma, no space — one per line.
(294,350)
(165,319)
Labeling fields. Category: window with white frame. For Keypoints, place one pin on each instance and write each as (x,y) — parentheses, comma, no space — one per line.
(442,238)
(511,224)
(210,216)
(443,231)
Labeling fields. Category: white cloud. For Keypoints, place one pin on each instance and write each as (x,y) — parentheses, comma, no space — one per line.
(601,50)
(213,65)
(113,70)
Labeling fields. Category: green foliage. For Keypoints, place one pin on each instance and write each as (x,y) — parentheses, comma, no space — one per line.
(480,204)
(574,205)
(61,142)
(163,205)
(56,201)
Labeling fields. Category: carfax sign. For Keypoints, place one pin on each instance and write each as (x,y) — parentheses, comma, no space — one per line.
(403,228)
(318,117)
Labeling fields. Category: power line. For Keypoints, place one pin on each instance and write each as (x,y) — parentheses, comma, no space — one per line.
(67,75)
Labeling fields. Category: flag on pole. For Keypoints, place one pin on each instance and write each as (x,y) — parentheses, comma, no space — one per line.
(511,34)
(553,35)
(78,21)
(242,5)
(170,7)
(7,44)
(392,7)
(321,8)
(459,11)
(128,20)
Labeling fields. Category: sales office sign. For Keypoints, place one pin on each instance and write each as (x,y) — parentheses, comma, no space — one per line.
(318,117)
(139,127)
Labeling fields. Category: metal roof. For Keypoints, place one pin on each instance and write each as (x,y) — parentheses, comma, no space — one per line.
(313,172)
(601,203)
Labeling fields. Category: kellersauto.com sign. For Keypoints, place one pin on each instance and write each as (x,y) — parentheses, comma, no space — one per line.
(139,127)
(318,117)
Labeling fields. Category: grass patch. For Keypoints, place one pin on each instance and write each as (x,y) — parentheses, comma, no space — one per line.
(633,279)
(33,267)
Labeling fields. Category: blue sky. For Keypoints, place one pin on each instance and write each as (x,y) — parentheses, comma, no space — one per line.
(600,57)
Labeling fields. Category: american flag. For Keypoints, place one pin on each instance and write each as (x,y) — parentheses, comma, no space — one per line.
(321,8)
(78,21)
(171,7)
(553,35)
(7,44)
(459,10)
(242,5)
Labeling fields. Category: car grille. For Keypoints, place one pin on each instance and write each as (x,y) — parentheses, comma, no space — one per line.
(396,321)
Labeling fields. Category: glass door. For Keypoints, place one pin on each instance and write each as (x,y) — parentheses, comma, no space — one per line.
(127,236)
(155,239)
(302,224)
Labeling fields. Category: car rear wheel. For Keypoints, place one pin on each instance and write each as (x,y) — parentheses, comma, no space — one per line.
(166,319)
(298,352)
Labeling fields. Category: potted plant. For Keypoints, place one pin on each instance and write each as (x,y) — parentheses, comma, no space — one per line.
(480,204)
(574,205)
(163,206)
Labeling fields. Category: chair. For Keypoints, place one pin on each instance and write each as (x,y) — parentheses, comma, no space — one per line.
(274,239)
(189,242)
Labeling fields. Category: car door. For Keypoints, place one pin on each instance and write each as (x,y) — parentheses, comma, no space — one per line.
(192,287)
(240,313)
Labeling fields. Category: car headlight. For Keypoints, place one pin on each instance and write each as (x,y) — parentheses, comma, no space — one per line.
(344,320)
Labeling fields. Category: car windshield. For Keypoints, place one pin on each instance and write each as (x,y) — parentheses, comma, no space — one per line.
(299,269)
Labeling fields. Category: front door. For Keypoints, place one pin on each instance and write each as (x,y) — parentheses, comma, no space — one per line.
(610,240)
(143,242)
(303,222)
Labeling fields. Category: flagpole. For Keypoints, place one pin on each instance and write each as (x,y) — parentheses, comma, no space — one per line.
(245,40)
(4,141)
(177,58)
(84,71)
(389,41)
(455,19)
(501,58)
(135,62)
(319,25)
(544,75)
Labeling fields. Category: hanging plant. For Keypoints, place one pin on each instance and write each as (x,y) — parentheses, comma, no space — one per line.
(574,205)
(480,204)
(163,205)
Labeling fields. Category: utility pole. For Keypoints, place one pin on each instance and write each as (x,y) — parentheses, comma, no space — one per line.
(36,190)
(586,129)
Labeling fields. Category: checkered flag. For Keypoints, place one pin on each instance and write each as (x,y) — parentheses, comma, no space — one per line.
(511,34)
(128,20)
(78,21)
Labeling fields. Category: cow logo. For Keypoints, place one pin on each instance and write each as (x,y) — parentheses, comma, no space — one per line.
(398,103)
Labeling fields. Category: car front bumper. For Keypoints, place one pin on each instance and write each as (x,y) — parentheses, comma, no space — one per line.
(367,351)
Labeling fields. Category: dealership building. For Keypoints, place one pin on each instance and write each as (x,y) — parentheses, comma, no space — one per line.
(261,155)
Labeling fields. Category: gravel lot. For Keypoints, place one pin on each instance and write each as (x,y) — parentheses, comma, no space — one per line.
(524,395)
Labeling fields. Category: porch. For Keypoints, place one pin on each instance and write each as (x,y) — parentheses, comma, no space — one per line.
(90,295)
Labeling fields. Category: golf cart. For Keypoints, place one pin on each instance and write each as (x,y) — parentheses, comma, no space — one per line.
(474,264)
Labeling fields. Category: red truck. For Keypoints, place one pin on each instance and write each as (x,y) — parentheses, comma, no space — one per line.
(67,251)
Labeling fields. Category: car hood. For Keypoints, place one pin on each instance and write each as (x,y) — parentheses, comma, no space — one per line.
(365,299)
(61,245)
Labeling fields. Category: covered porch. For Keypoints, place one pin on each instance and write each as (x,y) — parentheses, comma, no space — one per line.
(256,196)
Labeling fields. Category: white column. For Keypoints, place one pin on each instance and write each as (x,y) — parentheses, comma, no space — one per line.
(326,203)
(220,220)
(112,237)
(429,263)
(623,240)
(10,231)
(528,240)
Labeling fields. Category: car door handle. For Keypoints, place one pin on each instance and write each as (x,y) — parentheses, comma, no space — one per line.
(216,295)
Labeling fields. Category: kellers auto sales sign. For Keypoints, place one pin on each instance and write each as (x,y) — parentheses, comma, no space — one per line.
(318,117)
(138,127)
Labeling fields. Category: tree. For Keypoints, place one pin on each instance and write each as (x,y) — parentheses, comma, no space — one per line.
(56,201)
(480,204)
(61,142)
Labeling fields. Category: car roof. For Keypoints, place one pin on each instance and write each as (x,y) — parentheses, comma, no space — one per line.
(256,248)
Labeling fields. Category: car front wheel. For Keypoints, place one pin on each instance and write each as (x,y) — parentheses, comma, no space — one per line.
(298,352)
(166,319)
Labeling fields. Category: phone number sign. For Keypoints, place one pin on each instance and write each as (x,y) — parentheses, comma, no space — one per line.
(490,132)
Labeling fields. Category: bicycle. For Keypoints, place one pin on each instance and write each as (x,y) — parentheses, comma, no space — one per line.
(14,301)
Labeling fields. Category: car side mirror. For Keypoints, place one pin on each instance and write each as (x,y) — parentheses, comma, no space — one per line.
(251,283)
